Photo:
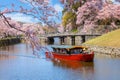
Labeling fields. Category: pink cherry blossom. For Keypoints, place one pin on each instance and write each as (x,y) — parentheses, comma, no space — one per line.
(39,9)
(93,11)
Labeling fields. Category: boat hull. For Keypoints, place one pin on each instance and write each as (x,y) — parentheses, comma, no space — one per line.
(77,57)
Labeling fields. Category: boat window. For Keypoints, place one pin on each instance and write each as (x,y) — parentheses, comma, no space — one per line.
(54,49)
(81,50)
(76,51)
(64,51)
(58,51)
(61,51)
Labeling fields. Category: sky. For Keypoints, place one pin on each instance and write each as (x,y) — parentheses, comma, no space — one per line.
(25,18)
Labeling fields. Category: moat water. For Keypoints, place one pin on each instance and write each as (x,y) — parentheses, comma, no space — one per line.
(17,62)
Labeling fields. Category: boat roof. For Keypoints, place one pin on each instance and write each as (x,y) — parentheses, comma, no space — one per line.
(66,46)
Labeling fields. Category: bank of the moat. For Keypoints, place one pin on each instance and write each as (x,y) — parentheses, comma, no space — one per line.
(112,51)
(106,44)
(9,41)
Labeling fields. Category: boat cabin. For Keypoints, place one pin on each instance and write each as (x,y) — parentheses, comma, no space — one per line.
(64,52)
(68,49)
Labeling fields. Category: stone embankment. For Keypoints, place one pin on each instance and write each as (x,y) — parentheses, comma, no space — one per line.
(9,41)
(112,51)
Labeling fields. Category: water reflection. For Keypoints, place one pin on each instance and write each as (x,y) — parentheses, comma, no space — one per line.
(106,68)
(7,49)
(72,64)
(6,56)
(84,69)
(13,51)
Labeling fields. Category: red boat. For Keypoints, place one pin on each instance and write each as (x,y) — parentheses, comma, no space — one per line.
(77,53)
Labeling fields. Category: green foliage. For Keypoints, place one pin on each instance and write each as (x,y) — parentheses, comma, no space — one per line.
(68,17)
(64,10)
(74,30)
(76,6)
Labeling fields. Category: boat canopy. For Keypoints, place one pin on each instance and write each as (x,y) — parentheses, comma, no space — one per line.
(67,47)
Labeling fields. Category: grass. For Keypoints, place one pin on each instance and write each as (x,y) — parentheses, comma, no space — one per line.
(111,39)
(74,30)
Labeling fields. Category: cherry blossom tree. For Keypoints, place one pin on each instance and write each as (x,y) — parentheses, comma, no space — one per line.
(61,29)
(39,9)
(87,13)
(98,15)
(95,15)
(6,30)
(109,12)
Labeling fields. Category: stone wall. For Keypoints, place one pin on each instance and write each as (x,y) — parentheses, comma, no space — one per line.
(68,40)
(105,50)
(78,40)
(9,41)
